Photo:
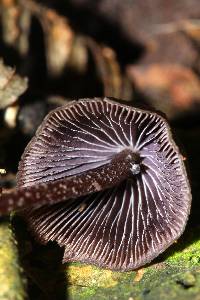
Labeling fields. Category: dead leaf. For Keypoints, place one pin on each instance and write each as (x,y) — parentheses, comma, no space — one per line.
(171,88)
(11,85)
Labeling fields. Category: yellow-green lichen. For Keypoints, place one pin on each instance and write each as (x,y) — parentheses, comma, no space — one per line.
(11,280)
(82,275)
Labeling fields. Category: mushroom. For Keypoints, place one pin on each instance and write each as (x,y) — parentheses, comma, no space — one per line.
(104,180)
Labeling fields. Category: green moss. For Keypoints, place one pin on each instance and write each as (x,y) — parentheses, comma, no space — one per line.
(171,284)
(187,251)
(81,293)
(174,275)
(190,254)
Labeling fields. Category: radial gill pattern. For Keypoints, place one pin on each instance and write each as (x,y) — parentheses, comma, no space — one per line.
(128,225)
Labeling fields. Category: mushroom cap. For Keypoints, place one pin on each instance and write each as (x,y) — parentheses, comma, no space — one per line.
(124,227)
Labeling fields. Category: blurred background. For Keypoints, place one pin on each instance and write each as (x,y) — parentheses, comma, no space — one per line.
(52,51)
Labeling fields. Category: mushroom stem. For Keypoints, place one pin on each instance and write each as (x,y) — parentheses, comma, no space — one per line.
(72,187)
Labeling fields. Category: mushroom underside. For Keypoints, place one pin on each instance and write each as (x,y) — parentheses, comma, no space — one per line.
(122,227)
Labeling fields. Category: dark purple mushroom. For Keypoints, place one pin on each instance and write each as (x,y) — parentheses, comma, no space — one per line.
(118,179)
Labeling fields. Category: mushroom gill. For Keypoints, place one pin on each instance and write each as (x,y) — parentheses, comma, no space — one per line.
(134,196)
